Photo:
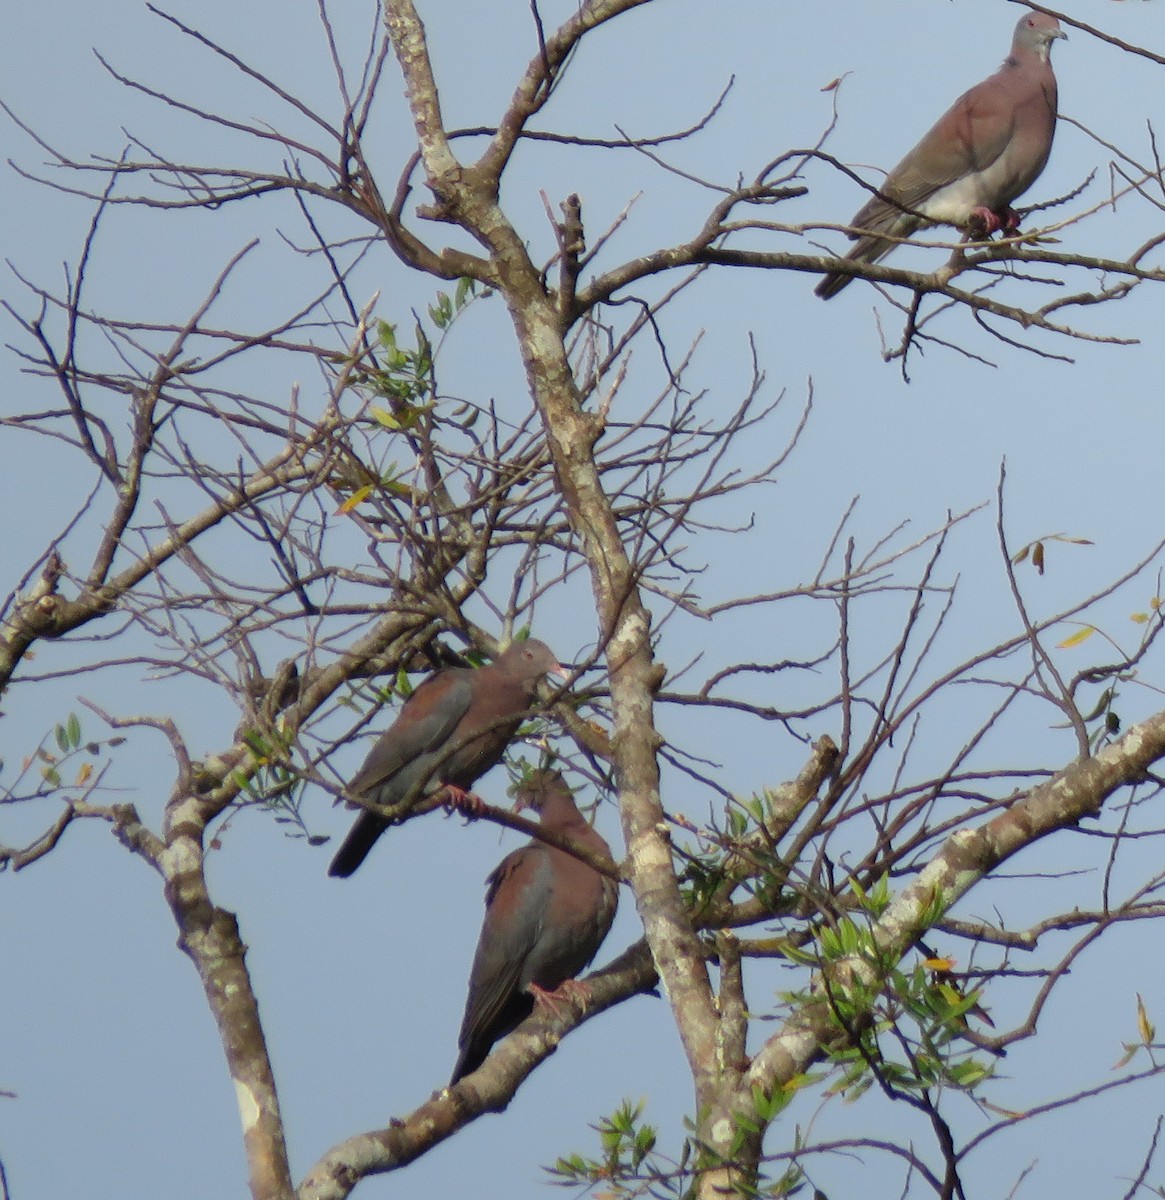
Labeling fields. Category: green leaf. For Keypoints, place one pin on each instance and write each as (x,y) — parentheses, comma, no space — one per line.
(970,1074)
(441,311)
(804,958)
(258,744)
(403,686)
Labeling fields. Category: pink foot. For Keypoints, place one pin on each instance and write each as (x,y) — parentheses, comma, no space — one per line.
(565,993)
(468,804)
(985,219)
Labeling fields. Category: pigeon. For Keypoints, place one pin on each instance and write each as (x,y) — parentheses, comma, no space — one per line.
(546,915)
(986,150)
(431,744)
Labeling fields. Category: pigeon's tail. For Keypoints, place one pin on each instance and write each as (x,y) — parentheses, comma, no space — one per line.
(476,1043)
(470,1058)
(361,838)
(867,250)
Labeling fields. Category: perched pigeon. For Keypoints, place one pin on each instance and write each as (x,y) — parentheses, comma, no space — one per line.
(446,710)
(986,150)
(546,914)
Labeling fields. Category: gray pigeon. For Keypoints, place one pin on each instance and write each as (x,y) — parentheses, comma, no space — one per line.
(986,150)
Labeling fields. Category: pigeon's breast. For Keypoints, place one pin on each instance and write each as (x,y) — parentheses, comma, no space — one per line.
(995,187)
(953,204)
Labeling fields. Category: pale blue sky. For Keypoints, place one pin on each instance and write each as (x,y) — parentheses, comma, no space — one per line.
(107,1041)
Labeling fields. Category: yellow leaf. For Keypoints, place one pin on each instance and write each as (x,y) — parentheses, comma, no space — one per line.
(356,498)
(1155,603)
(1011,1114)
(406,416)
(84,773)
(1140,618)
(385,418)
(1145,1027)
(1038,557)
(1081,635)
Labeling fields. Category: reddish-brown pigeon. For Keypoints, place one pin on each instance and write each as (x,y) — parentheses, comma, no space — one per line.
(986,150)
(431,744)
(546,914)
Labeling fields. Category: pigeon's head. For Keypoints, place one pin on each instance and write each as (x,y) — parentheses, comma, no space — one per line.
(538,788)
(1037,31)
(530,660)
